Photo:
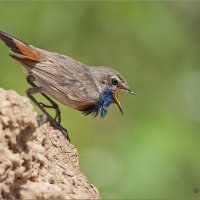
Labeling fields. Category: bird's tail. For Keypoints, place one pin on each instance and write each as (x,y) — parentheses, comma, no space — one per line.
(23,52)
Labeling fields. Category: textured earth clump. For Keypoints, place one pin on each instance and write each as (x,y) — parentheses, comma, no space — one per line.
(36,162)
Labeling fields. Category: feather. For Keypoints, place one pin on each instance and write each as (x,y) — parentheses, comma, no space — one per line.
(92,109)
(27,62)
(70,79)
(101,107)
(19,47)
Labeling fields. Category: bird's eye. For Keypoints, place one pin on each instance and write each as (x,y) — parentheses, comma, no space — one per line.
(114,81)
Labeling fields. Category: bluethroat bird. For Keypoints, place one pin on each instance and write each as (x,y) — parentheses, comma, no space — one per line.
(74,84)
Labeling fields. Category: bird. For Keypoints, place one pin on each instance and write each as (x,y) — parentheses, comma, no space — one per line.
(84,88)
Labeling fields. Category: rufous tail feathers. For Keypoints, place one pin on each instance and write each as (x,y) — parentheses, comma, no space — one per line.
(23,52)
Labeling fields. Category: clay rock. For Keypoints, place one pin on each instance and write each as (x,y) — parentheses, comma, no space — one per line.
(36,162)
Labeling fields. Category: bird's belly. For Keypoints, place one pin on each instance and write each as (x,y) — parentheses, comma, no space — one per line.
(64,99)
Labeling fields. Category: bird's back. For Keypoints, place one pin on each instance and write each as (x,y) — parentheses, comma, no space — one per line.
(67,80)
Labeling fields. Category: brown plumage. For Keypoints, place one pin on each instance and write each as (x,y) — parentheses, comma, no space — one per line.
(89,89)
(60,76)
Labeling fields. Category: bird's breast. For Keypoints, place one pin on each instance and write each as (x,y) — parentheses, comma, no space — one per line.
(100,107)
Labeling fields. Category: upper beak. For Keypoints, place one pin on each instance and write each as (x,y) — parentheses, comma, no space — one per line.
(132,92)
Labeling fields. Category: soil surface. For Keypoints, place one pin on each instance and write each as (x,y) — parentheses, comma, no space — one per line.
(36,162)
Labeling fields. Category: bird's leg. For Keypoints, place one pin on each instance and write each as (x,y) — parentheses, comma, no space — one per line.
(30,79)
(54,106)
(30,92)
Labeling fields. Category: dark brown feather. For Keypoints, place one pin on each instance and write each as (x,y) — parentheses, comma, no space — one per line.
(92,109)
(26,62)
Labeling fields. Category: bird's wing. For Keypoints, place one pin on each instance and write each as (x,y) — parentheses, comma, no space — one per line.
(67,76)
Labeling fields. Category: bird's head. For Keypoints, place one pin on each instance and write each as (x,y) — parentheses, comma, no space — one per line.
(109,83)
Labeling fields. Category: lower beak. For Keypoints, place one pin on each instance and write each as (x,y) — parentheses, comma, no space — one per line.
(117,101)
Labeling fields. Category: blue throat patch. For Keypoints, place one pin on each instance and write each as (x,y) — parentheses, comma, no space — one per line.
(101,107)
(106,100)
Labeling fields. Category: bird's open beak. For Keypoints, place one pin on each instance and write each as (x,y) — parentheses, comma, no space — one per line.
(116,93)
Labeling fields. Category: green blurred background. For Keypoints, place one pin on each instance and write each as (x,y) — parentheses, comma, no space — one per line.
(153,150)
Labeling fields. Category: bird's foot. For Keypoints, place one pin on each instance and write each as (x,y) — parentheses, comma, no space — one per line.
(58,126)
(41,119)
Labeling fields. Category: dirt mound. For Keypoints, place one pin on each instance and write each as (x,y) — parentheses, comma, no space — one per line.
(36,162)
